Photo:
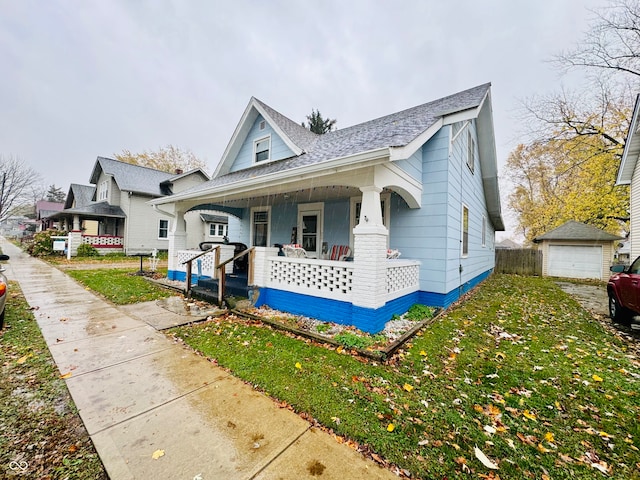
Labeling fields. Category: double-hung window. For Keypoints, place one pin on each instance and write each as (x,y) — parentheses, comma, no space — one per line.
(471,149)
(262,149)
(163,229)
(217,230)
(465,231)
(103,190)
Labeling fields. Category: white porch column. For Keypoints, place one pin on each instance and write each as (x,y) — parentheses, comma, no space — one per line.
(370,252)
(177,239)
(76,222)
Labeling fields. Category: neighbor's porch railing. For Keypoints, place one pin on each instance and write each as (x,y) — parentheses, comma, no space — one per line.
(103,241)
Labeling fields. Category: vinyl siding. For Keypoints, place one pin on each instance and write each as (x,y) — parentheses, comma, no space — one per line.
(187,182)
(141,225)
(412,165)
(634,212)
(432,233)
(279,149)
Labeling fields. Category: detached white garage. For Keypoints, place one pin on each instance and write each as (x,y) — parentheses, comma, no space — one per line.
(577,250)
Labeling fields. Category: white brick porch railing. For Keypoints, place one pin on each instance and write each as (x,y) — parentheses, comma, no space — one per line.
(320,278)
(403,277)
(334,280)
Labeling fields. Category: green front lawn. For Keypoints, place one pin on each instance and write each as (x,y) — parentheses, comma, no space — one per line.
(518,370)
(120,286)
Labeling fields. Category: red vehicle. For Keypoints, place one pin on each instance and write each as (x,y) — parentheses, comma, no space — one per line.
(624,292)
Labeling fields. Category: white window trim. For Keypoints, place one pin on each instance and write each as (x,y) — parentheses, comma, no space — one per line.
(462,252)
(168,228)
(471,151)
(251,229)
(312,207)
(226,229)
(484,231)
(255,146)
(386,215)
(103,190)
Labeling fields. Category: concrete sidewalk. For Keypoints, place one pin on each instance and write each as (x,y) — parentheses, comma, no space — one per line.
(138,392)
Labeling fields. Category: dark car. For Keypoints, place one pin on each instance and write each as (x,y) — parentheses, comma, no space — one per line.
(624,292)
(3,290)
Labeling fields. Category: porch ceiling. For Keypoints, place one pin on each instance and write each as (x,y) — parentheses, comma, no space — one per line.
(328,184)
(267,197)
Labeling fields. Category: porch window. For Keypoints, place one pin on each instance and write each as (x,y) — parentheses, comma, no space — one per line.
(471,147)
(163,229)
(465,231)
(218,230)
(262,148)
(260,228)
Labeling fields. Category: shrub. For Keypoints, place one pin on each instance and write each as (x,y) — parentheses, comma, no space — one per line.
(43,243)
(86,250)
(419,312)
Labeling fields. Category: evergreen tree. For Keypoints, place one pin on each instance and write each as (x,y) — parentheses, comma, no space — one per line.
(317,124)
(55,194)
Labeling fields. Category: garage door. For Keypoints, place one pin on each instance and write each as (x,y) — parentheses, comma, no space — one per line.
(575,261)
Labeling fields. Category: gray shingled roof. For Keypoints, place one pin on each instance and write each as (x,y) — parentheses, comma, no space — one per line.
(298,134)
(206,217)
(99,209)
(395,130)
(132,178)
(573,230)
(82,194)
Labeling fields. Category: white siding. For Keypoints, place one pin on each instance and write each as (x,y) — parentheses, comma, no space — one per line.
(635,213)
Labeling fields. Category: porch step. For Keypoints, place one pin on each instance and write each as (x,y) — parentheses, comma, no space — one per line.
(235,286)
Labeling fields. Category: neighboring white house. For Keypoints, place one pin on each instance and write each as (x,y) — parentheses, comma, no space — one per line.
(113,214)
(421,183)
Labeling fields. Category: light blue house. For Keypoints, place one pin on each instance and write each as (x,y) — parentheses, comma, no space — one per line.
(422,181)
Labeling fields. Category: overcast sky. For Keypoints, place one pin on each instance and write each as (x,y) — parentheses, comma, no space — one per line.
(84,78)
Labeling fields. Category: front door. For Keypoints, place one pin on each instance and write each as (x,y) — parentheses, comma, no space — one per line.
(310,228)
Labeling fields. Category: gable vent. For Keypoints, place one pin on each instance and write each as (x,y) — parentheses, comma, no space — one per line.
(262,125)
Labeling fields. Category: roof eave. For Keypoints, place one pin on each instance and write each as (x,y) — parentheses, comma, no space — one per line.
(277,178)
(631,149)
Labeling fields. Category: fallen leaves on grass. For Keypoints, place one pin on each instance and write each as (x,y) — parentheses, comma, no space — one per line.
(484,459)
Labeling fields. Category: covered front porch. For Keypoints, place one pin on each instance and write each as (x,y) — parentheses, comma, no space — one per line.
(364,288)
(100,226)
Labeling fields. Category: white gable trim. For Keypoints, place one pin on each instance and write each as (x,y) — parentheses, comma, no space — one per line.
(402,153)
(242,130)
(631,149)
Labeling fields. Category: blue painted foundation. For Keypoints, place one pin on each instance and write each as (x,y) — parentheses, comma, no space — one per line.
(366,319)
(182,276)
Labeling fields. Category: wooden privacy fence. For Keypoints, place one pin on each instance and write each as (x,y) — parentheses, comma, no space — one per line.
(522,261)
